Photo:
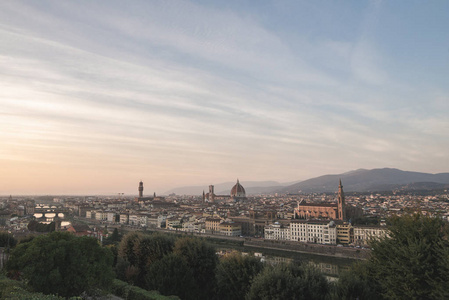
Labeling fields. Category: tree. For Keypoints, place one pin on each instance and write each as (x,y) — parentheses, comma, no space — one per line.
(356,283)
(234,274)
(61,263)
(115,236)
(412,262)
(201,258)
(289,282)
(171,275)
(150,249)
(7,240)
(127,247)
(140,251)
(34,225)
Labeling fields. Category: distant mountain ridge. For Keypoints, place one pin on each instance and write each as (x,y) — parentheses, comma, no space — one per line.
(360,180)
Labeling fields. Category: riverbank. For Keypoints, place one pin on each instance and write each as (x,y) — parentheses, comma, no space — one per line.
(287,246)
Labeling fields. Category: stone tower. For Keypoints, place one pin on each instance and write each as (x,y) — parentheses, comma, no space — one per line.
(211,193)
(140,189)
(341,203)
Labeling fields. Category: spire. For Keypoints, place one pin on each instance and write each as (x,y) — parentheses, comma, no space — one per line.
(341,203)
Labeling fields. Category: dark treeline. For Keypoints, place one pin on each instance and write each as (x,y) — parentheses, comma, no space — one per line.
(189,268)
(412,263)
(35,226)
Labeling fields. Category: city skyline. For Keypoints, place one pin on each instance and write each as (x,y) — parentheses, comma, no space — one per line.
(97,97)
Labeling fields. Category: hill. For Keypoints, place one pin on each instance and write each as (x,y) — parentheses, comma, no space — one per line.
(362,180)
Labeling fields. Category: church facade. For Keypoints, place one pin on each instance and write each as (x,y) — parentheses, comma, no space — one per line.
(331,211)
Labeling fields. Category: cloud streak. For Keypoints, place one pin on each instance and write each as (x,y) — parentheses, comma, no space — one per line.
(176,93)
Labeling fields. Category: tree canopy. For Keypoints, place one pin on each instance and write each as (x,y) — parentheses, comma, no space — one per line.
(201,258)
(7,239)
(138,251)
(290,281)
(234,275)
(62,263)
(171,275)
(413,261)
(34,225)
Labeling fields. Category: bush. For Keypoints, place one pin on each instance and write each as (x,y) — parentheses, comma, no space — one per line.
(126,291)
(12,289)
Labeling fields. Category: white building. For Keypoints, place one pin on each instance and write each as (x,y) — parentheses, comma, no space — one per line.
(193,226)
(111,216)
(310,231)
(277,231)
(124,218)
(173,223)
(142,219)
(363,234)
(90,214)
(100,215)
(133,219)
(161,221)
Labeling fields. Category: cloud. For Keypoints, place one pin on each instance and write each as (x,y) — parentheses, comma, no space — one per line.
(181,91)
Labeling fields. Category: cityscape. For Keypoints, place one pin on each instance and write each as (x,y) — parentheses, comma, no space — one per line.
(272,217)
(226,150)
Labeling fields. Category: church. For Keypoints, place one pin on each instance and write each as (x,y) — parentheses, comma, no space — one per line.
(237,194)
(330,211)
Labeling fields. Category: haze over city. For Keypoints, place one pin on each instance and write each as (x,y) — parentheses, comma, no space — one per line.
(96,96)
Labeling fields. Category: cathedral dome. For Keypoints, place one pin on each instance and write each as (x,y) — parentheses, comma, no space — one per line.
(238,190)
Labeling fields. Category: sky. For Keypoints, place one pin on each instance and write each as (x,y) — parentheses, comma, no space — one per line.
(98,95)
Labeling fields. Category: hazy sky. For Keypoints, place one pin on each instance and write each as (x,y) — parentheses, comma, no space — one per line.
(98,95)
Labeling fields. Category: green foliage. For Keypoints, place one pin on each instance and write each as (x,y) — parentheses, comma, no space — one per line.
(126,291)
(41,227)
(113,239)
(202,260)
(137,252)
(128,246)
(171,275)
(356,284)
(289,282)
(63,264)
(152,248)
(115,236)
(12,289)
(413,262)
(26,239)
(234,274)
(7,240)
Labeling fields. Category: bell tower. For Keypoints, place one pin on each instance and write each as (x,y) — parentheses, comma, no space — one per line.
(341,203)
(140,189)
